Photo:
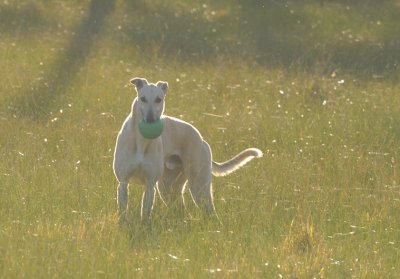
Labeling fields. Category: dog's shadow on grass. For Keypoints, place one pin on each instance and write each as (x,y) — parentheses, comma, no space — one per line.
(35,103)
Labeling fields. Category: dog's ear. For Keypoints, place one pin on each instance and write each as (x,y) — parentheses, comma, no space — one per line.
(163,85)
(139,82)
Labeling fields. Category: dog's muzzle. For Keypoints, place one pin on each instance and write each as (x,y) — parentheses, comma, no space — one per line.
(149,116)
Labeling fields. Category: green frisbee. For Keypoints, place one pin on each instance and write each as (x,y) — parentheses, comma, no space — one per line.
(151,130)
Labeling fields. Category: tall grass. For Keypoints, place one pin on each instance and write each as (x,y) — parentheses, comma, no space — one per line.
(312,83)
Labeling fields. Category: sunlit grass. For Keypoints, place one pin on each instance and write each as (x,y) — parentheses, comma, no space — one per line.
(323,201)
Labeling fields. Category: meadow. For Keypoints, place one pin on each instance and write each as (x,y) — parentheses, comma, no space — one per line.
(314,84)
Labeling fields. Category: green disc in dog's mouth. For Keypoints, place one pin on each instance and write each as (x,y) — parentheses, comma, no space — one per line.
(151,130)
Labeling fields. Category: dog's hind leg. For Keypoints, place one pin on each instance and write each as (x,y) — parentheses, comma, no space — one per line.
(122,199)
(199,179)
(201,192)
(171,185)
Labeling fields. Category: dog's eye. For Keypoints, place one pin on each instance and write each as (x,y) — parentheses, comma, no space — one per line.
(143,99)
(158,100)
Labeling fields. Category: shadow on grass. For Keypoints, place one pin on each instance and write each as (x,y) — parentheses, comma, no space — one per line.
(172,32)
(285,35)
(35,103)
(271,33)
(14,20)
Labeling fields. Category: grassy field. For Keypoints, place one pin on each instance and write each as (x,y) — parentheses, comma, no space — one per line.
(313,84)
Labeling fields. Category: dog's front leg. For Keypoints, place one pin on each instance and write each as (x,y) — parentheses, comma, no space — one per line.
(147,203)
(122,199)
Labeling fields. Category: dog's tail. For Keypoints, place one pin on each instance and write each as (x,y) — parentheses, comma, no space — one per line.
(222,169)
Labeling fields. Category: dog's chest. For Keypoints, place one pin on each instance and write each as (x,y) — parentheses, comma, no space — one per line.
(145,167)
(138,168)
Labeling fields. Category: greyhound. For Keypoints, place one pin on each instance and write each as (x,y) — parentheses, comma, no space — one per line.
(168,162)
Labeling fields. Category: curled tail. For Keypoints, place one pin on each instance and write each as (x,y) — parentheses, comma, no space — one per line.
(222,169)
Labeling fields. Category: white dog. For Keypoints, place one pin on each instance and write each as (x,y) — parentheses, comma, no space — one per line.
(179,155)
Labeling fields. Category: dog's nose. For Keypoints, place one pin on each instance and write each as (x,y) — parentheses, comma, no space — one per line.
(150,118)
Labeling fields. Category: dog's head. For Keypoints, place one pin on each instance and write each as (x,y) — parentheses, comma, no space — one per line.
(151,98)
